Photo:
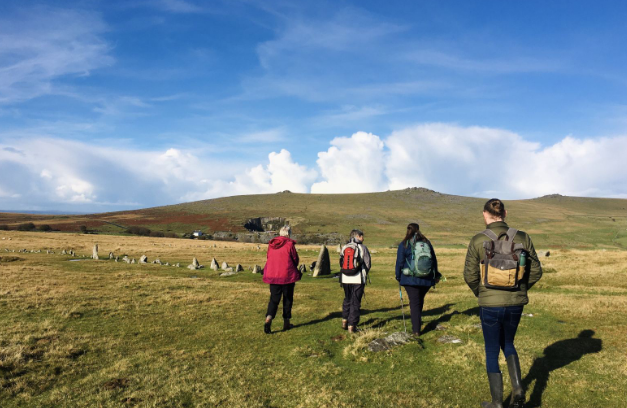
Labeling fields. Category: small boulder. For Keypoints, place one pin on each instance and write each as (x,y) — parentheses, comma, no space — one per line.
(143,259)
(111,256)
(225,265)
(256,269)
(157,261)
(230,272)
(133,260)
(239,268)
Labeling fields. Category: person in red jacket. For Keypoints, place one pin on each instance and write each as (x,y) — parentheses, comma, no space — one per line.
(281,272)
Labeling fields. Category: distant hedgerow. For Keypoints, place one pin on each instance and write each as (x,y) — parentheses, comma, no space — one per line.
(157,234)
(29,226)
(44,228)
(4,227)
(135,230)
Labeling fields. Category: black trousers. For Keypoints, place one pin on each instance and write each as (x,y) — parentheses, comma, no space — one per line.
(276,291)
(352,303)
(416,296)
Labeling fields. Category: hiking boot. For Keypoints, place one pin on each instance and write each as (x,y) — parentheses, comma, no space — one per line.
(352,329)
(518,392)
(287,325)
(266,327)
(496,390)
(344,324)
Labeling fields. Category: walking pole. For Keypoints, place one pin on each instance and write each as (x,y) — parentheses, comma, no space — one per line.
(400,291)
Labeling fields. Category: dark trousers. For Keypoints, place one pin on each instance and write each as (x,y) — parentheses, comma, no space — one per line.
(276,291)
(352,303)
(416,295)
(499,326)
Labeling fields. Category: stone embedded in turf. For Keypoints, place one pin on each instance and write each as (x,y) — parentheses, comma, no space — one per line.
(447,338)
(111,256)
(225,265)
(94,253)
(386,343)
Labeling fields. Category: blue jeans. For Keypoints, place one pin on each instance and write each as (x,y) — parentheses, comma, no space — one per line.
(499,326)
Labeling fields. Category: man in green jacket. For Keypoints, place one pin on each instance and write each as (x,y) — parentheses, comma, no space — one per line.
(500,283)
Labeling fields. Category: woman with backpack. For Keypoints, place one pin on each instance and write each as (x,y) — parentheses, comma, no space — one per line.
(281,272)
(417,271)
(501,265)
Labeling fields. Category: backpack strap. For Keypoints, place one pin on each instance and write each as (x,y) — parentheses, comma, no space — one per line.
(511,233)
(490,234)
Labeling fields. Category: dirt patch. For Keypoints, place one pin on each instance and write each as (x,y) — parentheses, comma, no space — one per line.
(116,383)
(10,259)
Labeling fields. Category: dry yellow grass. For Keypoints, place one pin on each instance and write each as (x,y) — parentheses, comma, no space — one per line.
(100,333)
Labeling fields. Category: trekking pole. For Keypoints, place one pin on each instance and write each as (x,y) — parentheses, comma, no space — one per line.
(400,291)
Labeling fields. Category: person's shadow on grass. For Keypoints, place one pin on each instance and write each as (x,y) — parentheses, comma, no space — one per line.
(338,315)
(556,356)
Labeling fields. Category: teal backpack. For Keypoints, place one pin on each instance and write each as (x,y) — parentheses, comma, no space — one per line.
(420,265)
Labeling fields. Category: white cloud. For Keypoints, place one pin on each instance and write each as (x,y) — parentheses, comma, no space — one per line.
(485,161)
(352,165)
(39,45)
(47,173)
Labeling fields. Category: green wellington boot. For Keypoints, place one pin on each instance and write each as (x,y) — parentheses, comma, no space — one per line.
(496,390)
(518,392)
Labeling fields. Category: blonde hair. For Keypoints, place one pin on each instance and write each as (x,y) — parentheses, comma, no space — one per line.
(286,231)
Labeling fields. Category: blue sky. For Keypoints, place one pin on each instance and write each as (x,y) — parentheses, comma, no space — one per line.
(110,105)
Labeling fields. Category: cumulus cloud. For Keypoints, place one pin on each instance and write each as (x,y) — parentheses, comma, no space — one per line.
(352,165)
(47,173)
(485,161)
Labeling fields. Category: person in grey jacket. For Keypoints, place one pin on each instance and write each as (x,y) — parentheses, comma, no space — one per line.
(354,284)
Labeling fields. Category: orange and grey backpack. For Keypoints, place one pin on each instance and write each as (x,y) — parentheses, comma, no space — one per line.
(351,259)
(500,268)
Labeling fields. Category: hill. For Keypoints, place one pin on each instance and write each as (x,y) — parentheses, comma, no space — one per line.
(554,221)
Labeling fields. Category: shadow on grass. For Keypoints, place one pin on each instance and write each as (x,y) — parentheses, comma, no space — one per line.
(338,315)
(431,312)
(447,317)
(556,356)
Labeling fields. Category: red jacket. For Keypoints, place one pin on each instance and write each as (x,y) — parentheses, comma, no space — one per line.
(282,264)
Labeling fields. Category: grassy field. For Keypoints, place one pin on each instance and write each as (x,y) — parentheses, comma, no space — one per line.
(448,220)
(101,333)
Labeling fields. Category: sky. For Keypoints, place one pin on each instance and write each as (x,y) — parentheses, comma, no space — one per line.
(115,105)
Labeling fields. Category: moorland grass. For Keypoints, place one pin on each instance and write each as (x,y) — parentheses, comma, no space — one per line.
(101,333)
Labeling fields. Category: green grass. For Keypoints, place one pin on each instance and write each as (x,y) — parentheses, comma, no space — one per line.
(100,333)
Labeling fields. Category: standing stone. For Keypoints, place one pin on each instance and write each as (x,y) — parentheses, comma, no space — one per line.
(195,263)
(323,264)
(94,253)
(71,252)
(111,256)
(214,264)
(126,259)
(167,264)
(256,269)
(302,269)
(117,259)
(143,259)
(239,268)
(157,261)
(133,260)
(312,266)
(258,248)
(178,265)
(225,265)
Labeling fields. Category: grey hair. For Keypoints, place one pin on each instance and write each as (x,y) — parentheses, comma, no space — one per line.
(286,231)
(357,233)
